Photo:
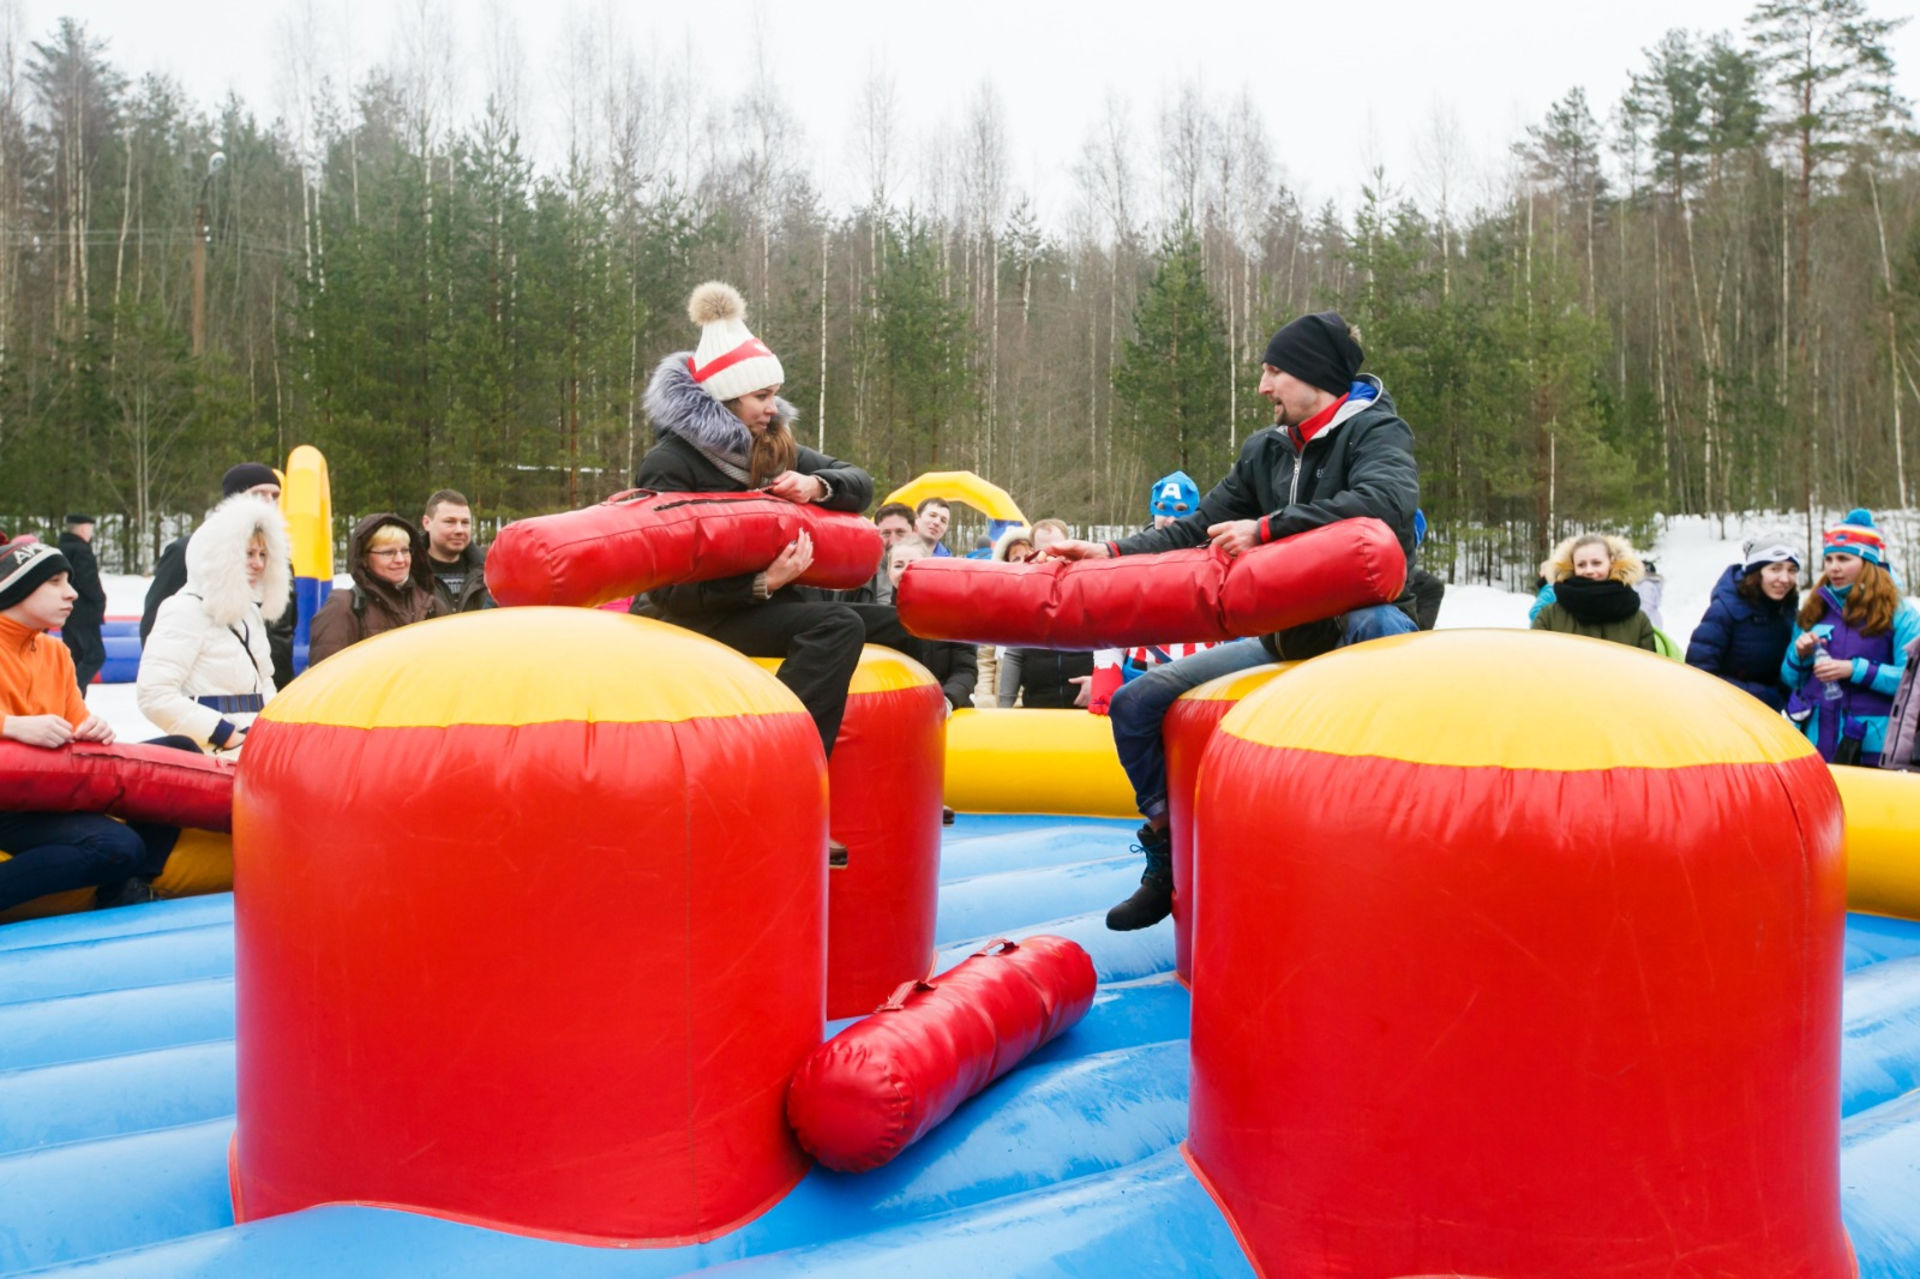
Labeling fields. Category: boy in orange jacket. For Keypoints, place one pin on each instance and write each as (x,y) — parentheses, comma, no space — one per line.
(40,706)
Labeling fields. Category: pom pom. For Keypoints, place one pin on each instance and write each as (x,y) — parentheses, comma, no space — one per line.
(715,301)
(1859,517)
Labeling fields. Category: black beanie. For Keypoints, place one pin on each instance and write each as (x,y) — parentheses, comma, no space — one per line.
(23,566)
(1317,349)
(244,476)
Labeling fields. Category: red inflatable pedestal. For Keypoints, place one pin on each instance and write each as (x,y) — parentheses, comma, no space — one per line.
(880,1085)
(636,541)
(1172,597)
(884,784)
(1482,989)
(1186,731)
(523,944)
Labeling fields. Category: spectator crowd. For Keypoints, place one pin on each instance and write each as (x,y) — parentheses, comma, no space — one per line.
(219,636)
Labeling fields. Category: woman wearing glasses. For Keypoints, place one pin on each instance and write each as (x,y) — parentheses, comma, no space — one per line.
(392,586)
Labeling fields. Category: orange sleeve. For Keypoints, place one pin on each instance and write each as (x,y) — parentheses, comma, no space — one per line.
(75,710)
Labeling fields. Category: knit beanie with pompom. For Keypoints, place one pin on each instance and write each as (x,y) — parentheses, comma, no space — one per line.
(729,361)
(1856,535)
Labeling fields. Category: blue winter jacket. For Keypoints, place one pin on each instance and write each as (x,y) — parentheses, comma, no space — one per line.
(1744,641)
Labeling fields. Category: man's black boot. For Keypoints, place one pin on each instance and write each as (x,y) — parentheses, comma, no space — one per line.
(1153,900)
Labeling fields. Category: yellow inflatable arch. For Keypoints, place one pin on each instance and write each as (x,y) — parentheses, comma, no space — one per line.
(990,500)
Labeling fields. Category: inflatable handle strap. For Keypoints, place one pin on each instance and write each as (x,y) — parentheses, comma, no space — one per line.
(630,495)
(901,993)
(998,946)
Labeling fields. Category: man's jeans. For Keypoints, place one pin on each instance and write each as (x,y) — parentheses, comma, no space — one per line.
(1141,704)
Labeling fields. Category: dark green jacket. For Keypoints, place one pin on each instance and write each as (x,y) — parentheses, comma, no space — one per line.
(1634,632)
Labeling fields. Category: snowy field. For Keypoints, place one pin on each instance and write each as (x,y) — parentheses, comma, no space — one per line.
(1691,553)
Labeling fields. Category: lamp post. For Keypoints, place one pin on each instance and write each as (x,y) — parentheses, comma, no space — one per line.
(201,234)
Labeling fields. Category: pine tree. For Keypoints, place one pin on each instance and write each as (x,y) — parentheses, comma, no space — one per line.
(1171,375)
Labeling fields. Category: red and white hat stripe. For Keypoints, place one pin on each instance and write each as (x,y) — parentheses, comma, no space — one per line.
(752,348)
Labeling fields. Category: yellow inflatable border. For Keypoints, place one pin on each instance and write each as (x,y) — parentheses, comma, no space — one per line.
(1063,762)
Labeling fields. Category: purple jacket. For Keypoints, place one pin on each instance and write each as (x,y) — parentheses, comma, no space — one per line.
(1865,696)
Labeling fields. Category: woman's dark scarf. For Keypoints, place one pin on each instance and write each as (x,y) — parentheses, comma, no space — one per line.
(1596,603)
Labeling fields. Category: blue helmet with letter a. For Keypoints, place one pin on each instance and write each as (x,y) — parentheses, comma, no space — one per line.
(1175,495)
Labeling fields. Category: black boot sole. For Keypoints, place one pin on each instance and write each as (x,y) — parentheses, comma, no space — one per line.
(1148,906)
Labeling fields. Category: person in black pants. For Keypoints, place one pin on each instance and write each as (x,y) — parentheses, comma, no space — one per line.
(723,427)
(81,633)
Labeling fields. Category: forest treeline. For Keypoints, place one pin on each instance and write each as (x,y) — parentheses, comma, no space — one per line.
(1704,297)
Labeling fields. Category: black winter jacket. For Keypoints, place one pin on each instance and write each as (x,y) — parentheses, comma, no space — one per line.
(1359,464)
(1047,675)
(90,610)
(956,666)
(683,413)
(473,591)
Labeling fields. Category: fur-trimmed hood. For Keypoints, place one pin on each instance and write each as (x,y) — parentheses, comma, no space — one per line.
(217,560)
(1627,568)
(680,406)
(1003,544)
(419,577)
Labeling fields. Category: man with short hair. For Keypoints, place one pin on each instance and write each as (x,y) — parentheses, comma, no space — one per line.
(1336,451)
(81,631)
(170,574)
(895,522)
(930,521)
(458,566)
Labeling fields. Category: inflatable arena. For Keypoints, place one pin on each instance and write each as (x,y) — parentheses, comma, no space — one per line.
(1494,953)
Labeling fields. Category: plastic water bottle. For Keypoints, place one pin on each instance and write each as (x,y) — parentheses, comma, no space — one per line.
(1829,692)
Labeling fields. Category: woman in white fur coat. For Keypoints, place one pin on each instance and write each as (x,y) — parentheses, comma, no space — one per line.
(206,670)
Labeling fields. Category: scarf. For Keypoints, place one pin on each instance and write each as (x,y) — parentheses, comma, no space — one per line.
(1596,603)
(729,466)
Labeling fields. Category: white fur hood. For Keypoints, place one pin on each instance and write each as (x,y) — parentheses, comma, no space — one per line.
(217,560)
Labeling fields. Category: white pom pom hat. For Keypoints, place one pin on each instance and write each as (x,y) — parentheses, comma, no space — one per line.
(729,361)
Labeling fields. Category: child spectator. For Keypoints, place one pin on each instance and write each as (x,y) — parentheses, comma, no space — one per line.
(207,669)
(1173,496)
(1015,545)
(1592,576)
(1850,646)
(41,706)
(953,664)
(1749,622)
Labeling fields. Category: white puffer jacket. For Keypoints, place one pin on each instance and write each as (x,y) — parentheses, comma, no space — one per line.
(210,639)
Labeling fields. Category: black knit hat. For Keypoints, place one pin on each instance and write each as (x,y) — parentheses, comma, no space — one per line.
(1318,349)
(245,476)
(76,520)
(24,565)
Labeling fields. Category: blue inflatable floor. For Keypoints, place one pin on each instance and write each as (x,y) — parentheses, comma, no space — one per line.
(117,1083)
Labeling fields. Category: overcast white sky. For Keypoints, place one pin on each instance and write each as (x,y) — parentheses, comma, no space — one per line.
(1339,84)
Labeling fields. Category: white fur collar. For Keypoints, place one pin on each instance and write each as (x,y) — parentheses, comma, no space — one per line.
(217,560)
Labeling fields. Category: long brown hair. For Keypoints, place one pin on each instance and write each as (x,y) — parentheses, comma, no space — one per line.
(773,451)
(1870,603)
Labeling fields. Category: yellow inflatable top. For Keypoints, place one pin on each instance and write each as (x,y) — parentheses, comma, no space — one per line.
(306,500)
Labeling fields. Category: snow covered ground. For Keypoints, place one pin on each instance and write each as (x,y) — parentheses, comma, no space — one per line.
(1691,552)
